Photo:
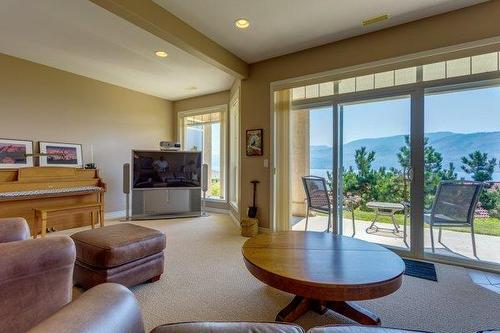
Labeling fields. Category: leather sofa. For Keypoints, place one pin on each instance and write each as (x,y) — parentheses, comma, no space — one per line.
(36,287)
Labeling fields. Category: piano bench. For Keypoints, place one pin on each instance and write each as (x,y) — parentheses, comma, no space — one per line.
(43,214)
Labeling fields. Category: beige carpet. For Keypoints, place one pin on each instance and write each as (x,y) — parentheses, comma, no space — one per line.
(205,279)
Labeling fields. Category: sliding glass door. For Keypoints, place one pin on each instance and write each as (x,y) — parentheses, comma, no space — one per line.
(410,159)
(462,172)
(374,166)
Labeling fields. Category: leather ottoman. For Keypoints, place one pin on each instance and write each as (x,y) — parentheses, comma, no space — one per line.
(122,253)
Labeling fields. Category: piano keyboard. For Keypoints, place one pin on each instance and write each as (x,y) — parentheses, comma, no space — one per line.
(32,193)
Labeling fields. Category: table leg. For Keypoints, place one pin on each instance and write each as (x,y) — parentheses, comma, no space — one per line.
(44,224)
(37,225)
(92,219)
(354,312)
(297,307)
(405,212)
(101,217)
(300,305)
(394,223)
(372,225)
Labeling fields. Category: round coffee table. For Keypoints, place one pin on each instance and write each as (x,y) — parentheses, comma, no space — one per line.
(324,271)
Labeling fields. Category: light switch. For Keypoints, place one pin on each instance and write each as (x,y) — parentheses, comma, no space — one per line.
(266,163)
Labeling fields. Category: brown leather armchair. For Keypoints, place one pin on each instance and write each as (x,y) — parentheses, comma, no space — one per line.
(35,275)
(106,308)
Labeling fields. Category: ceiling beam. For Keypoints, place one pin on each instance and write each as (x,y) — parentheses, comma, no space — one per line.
(155,19)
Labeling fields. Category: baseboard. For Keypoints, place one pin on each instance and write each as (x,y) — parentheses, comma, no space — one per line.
(235,219)
(216,210)
(264,230)
(114,215)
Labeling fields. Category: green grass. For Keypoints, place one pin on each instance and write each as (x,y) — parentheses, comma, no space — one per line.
(484,226)
(215,188)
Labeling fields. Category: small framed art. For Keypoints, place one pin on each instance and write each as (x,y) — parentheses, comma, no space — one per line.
(254,142)
(61,154)
(15,153)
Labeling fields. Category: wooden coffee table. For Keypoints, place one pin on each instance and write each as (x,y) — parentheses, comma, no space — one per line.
(324,271)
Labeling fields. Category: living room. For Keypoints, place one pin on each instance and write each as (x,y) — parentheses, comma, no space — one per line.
(235,166)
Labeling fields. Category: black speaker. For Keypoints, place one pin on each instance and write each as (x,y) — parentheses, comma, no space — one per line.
(126,178)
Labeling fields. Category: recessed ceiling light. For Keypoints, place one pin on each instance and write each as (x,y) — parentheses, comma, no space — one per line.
(161,54)
(242,23)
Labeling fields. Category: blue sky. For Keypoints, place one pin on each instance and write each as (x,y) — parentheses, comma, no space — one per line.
(461,112)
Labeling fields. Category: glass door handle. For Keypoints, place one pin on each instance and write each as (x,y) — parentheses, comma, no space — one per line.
(409,174)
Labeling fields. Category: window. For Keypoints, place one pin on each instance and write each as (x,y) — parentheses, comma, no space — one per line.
(234,152)
(204,130)
(482,63)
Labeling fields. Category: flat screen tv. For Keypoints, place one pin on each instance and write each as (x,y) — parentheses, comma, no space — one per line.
(164,169)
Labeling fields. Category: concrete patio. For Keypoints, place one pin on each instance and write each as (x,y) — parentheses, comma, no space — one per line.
(457,244)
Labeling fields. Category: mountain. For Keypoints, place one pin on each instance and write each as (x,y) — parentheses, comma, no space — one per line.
(452,147)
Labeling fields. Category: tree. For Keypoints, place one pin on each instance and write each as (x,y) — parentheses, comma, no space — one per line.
(405,162)
(360,182)
(478,166)
(364,160)
(365,176)
(433,171)
(449,174)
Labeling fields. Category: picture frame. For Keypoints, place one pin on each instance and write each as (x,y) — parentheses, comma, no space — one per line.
(255,142)
(59,154)
(15,153)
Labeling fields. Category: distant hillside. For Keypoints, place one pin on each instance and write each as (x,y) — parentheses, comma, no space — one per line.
(452,147)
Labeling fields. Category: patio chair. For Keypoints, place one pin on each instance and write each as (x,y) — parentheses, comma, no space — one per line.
(319,199)
(317,196)
(454,206)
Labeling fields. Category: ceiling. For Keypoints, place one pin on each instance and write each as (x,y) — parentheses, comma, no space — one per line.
(282,26)
(80,37)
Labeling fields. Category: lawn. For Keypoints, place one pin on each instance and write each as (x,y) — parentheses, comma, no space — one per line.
(485,226)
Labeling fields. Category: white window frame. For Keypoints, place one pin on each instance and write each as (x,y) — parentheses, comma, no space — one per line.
(223,149)
(234,151)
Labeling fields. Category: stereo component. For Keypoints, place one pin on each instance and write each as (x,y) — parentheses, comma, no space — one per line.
(169,146)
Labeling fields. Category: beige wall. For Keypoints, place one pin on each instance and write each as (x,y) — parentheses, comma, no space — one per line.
(202,101)
(43,103)
(466,25)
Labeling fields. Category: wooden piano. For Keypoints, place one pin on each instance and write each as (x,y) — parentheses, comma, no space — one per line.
(26,189)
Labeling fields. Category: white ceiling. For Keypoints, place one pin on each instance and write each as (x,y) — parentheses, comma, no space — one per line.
(282,26)
(80,37)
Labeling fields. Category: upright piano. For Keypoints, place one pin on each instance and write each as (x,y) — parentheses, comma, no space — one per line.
(22,190)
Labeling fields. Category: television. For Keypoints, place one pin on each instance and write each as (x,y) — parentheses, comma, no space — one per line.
(166,169)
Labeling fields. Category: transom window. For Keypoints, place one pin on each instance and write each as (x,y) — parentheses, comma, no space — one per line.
(482,63)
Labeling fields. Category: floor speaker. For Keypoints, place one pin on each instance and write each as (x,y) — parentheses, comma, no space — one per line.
(126,189)
(204,186)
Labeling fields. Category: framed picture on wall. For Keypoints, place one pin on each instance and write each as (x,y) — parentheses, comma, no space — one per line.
(13,153)
(61,154)
(254,142)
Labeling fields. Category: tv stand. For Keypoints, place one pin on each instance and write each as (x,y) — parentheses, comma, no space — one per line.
(160,203)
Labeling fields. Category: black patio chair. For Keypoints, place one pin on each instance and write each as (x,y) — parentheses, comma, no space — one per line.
(318,198)
(454,206)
